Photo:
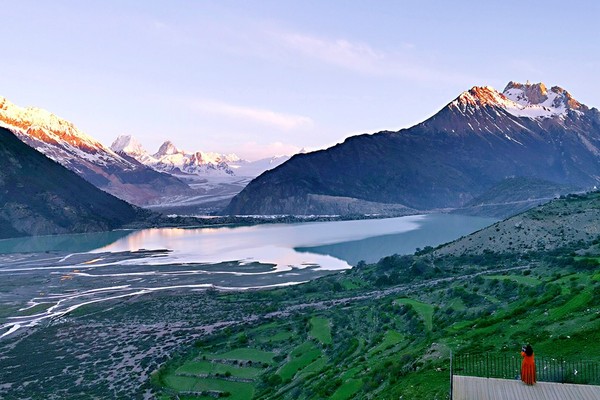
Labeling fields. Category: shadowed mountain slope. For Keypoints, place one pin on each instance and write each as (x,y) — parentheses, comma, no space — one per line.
(476,141)
(39,196)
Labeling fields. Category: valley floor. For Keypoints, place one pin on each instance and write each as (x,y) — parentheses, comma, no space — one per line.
(348,335)
(378,331)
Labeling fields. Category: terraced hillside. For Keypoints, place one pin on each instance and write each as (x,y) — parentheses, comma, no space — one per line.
(386,330)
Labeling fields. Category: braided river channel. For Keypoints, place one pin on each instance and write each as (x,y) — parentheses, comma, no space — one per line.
(44,278)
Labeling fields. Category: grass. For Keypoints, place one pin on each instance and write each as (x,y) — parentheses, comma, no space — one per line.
(315,366)
(320,330)
(349,284)
(457,305)
(299,361)
(212,368)
(301,349)
(277,337)
(523,279)
(423,309)
(390,339)
(347,390)
(244,354)
(237,390)
(578,301)
(38,308)
(351,372)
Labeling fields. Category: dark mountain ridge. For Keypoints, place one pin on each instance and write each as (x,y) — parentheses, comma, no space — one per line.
(476,141)
(38,196)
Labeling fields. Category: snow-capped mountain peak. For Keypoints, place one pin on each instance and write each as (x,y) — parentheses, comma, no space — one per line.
(531,100)
(61,141)
(42,125)
(170,159)
(167,148)
(57,138)
(127,144)
(526,94)
(481,96)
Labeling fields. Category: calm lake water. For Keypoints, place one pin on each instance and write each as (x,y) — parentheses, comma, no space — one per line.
(47,277)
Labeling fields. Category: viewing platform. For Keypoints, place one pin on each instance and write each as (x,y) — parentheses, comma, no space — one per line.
(476,388)
(496,377)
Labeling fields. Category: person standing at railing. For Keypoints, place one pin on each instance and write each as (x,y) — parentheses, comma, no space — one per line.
(528,366)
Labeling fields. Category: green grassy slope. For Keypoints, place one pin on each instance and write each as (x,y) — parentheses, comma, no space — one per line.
(391,336)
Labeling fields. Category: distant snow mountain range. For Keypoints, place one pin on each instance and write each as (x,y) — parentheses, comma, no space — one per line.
(175,161)
(62,142)
(170,176)
(473,144)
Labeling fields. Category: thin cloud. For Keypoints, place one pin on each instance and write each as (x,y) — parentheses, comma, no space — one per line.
(355,56)
(402,62)
(280,120)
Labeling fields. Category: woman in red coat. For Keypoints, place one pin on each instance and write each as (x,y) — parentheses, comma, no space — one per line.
(528,366)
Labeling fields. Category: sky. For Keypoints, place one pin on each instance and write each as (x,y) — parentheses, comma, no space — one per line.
(264,78)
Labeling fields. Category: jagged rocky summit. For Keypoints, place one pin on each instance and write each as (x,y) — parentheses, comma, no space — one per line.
(475,142)
(172,160)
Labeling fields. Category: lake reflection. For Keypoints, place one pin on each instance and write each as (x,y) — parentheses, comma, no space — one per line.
(271,244)
(433,230)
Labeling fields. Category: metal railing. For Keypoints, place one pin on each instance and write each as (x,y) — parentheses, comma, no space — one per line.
(506,366)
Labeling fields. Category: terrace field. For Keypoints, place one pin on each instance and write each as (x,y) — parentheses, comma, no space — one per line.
(398,346)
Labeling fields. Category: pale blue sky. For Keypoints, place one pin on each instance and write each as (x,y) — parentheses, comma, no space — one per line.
(266,77)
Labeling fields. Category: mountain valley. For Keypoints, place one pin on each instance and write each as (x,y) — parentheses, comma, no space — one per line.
(215,177)
(381,329)
(334,200)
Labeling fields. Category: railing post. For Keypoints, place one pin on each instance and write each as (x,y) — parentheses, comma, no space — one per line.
(487,365)
(542,369)
(451,375)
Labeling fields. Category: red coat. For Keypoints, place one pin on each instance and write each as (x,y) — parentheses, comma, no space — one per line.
(528,369)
